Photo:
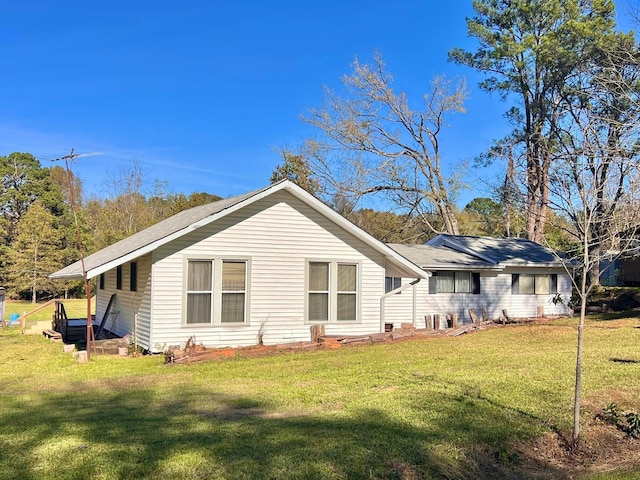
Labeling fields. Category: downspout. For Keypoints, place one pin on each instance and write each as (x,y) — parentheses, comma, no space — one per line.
(393,292)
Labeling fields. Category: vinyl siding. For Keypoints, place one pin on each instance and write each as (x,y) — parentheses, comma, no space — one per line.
(495,295)
(277,235)
(127,303)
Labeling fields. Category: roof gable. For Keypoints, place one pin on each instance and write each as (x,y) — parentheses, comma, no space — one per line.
(189,220)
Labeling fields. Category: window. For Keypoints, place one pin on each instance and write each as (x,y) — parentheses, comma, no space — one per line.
(318,292)
(528,284)
(119,277)
(216,291)
(454,282)
(101,284)
(233,291)
(133,276)
(332,292)
(391,283)
(347,292)
(199,291)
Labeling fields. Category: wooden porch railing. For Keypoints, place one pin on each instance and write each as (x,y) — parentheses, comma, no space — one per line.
(23,318)
(60,320)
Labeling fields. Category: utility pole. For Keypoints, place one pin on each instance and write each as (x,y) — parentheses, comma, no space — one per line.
(87,285)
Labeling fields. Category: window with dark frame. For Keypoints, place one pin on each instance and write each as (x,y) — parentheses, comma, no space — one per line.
(392,283)
(454,282)
(133,276)
(119,277)
(534,284)
(101,282)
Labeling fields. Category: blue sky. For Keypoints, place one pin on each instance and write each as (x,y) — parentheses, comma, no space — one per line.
(203,94)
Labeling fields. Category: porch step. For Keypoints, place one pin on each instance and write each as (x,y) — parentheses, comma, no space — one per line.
(38,327)
(52,334)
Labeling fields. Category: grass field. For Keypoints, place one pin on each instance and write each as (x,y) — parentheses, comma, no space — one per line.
(437,408)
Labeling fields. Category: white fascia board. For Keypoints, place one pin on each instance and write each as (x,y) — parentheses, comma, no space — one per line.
(464,268)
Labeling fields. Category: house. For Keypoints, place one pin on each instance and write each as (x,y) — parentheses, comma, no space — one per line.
(495,274)
(266,265)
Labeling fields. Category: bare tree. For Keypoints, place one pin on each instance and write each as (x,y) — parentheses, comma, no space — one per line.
(596,176)
(598,130)
(373,142)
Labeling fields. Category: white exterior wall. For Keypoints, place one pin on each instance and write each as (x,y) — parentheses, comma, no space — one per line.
(278,235)
(495,295)
(121,320)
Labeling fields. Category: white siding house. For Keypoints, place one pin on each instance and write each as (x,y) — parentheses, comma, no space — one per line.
(269,264)
(494,274)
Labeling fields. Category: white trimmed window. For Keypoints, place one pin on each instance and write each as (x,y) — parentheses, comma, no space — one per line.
(216,291)
(318,275)
(234,286)
(333,292)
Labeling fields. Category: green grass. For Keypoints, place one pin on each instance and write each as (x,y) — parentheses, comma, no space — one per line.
(76,308)
(437,408)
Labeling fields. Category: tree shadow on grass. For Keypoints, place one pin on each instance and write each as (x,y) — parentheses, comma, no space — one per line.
(136,433)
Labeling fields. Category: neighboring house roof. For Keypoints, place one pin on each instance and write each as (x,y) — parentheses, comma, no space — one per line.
(189,220)
(457,252)
(439,257)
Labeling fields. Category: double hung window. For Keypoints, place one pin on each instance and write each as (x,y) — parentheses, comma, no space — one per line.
(332,292)
(216,291)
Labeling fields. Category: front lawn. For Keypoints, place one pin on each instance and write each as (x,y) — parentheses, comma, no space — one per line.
(465,407)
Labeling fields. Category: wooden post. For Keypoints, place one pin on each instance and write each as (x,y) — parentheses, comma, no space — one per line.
(540,312)
(436,321)
(474,317)
(317,331)
(454,320)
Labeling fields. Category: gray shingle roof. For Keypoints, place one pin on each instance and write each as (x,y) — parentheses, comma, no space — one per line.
(505,251)
(152,234)
(428,256)
(458,252)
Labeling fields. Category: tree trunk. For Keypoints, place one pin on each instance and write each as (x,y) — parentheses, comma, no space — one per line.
(584,289)
(594,271)
(578,385)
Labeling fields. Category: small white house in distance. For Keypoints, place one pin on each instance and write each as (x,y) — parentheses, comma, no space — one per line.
(271,264)
(495,274)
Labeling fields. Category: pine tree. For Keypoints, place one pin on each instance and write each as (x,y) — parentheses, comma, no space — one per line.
(35,253)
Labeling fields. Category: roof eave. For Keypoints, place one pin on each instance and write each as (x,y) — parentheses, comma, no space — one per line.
(389,253)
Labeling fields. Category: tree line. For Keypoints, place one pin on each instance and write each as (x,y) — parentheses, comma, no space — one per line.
(38,229)
(39,233)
